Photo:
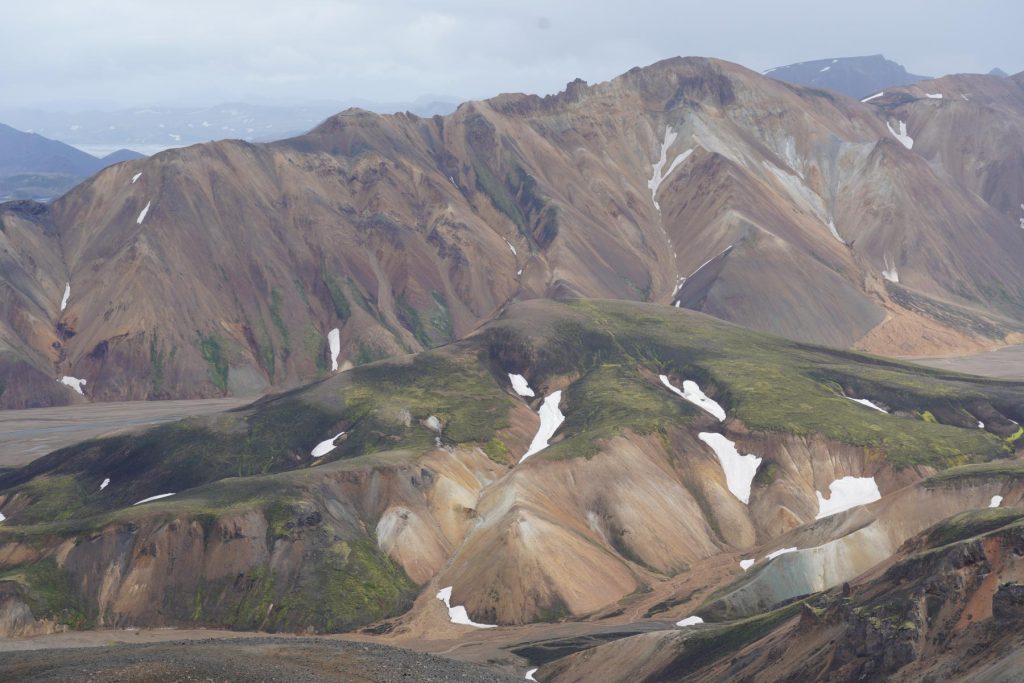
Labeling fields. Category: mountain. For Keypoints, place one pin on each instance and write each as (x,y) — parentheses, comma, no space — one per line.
(359,499)
(854,77)
(226,267)
(154,129)
(34,167)
(998,72)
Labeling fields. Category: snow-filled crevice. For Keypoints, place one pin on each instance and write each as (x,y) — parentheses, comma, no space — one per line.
(902,136)
(458,614)
(846,493)
(691,392)
(551,418)
(739,469)
(657,175)
(334,340)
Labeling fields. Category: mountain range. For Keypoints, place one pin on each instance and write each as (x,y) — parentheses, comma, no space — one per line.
(855,77)
(890,225)
(582,387)
(34,167)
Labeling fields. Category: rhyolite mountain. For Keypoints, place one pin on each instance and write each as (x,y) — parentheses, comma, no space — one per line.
(855,77)
(358,499)
(890,226)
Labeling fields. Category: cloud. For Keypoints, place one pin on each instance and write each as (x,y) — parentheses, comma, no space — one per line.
(192,51)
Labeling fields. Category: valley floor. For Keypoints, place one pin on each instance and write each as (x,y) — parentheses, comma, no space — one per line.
(28,434)
(1004,363)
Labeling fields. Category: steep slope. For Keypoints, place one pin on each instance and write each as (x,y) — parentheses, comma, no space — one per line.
(946,606)
(224,268)
(854,77)
(338,504)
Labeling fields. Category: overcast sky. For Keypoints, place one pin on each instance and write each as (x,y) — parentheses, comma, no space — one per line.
(69,53)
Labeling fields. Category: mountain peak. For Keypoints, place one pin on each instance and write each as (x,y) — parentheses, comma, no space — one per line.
(852,76)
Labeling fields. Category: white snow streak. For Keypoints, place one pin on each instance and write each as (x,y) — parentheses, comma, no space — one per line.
(746,564)
(846,493)
(73,382)
(514,253)
(832,229)
(692,393)
(902,136)
(458,614)
(67,295)
(334,339)
(890,273)
(551,418)
(520,385)
(158,497)
(739,469)
(657,177)
(877,94)
(826,68)
(105,484)
(325,447)
(2,518)
(690,621)
(996,501)
(780,551)
(529,675)
(981,425)
(142,214)
(933,96)
(136,177)
(865,402)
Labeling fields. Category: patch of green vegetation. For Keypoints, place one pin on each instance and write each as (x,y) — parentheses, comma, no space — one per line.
(54,497)
(766,473)
(970,524)
(1015,436)
(927,416)
(213,353)
(708,645)
(316,348)
(301,290)
(608,399)
(342,308)
(282,330)
(1000,469)
(497,451)
(368,353)
(409,317)
(50,594)
(442,319)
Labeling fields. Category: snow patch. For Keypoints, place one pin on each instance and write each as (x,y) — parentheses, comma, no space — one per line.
(690,621)
(67,295)
(136,177)
(433,424)
(2,517)
(73,382)
(458,614)
(105,484)
(981,425)
(933,95)
(739,469)
(325,447)
(865,402)
(846,493)
(657,177)
(551,418)
(142,214)
(780,551)
(334,340)
(877,94)
(151,498)
(995,502)
(514,253)
(529,674)
(826,68)
(902,136)
(520,385)
(889,272)
(832,229)
(746,564)
(692,393)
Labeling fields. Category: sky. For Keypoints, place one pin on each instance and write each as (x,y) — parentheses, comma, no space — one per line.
(67,54)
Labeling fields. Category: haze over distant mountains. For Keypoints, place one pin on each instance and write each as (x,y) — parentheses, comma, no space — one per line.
(152,129)
(35,167)
(855,77)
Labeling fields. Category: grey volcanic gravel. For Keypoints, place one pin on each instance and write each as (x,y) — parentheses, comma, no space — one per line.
(268,659)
